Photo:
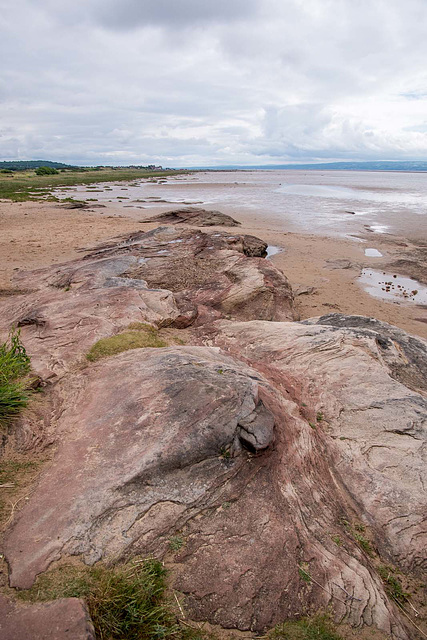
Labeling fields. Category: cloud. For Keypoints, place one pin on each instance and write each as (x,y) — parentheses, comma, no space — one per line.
(193,82)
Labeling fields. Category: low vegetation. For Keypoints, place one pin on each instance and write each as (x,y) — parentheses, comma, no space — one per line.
(358,532)
(27,185)
(15,381)
(138,336)
(125,602)
(46,171)
(393,586)
(129,602)
(319,627)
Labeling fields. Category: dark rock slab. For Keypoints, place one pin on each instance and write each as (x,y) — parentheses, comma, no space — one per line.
(195,216)
(410,368)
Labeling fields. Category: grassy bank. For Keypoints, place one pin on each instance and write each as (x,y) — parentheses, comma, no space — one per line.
(26,185)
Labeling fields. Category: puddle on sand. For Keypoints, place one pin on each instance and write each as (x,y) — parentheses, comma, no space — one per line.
(373,253)
(394,288)
(272,250)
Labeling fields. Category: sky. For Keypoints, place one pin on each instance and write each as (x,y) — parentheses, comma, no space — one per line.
(204,83)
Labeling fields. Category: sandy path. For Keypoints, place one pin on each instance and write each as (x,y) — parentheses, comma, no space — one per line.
(34,235)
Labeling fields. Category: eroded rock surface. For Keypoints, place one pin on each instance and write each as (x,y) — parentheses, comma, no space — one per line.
(356,380)
(144,438)
(195,216)
(64,619)
(261,447)
(166,277)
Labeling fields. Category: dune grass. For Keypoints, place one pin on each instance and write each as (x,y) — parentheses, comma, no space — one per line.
(26,185)
(138,336)
(14,377)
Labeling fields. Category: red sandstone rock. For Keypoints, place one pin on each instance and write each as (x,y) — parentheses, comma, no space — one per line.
(64,619)
(259,455)
(166,277)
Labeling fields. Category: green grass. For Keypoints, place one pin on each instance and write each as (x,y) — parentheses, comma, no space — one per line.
(176,543)
(137,337)
(14,377)
(364,543)
(11,469)
(26,185)
(125,602)
(392,584)
(303,572)
(319,627)
(356,530)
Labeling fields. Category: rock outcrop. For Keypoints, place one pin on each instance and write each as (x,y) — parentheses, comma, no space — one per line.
(166,277)
(195,216)
(284,454)
(64,619)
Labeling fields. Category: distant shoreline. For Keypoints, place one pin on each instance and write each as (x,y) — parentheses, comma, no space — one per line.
(398,167)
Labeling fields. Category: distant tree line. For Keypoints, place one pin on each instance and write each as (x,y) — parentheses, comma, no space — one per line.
(7,166)
(24,165)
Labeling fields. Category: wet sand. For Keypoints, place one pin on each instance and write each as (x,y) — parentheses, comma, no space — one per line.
(323,270)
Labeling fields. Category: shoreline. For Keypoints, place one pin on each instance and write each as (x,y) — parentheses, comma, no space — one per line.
(322,270)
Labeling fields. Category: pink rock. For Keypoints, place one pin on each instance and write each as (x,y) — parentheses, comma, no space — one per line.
(64,619)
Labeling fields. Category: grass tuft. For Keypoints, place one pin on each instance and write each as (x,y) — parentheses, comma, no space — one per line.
(14,379)
(176,543)
(319,627)
(138,336)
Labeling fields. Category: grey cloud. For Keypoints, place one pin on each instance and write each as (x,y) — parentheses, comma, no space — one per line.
(193,82)
(135,13)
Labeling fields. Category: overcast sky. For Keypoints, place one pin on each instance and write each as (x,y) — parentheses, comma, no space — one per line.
(210,82)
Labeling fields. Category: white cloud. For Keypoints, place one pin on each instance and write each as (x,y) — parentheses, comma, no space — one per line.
(189,82)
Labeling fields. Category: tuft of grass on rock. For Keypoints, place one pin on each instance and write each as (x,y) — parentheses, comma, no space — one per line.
(14,377)
(393,586)
(176,543)
(138,336)
(319,627)
(356,530)
(126,601)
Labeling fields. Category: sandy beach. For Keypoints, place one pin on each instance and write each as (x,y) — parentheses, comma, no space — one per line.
(323,270)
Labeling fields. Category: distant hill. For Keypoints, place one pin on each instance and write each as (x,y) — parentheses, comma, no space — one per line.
(333,166)
(22,165)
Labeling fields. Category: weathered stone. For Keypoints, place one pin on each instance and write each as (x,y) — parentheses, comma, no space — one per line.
(64,619)
(195,216)
(166,277)
(143,453)
(158,441)
(373,427)
(140,432)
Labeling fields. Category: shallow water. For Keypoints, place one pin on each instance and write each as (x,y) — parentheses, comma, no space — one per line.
(272,250)
(393,287)
(373,253)
(323,202)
